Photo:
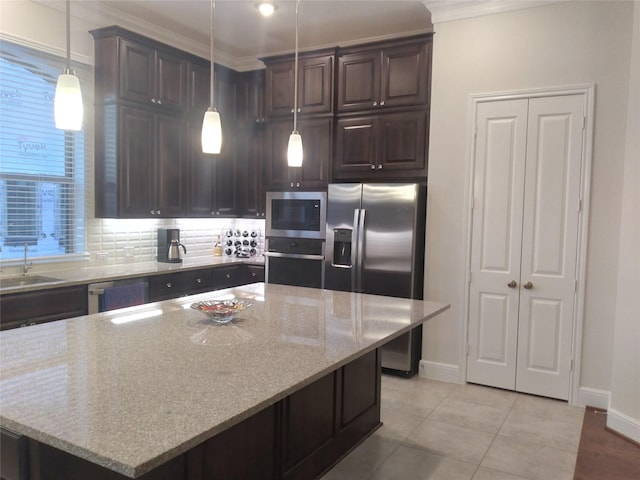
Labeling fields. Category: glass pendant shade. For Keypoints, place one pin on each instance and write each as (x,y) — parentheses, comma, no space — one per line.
(211,132)
(67,103)
(294,150)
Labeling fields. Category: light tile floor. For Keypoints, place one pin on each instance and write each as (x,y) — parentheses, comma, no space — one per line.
(443,431)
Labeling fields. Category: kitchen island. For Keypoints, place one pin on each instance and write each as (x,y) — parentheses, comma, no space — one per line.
(158,391)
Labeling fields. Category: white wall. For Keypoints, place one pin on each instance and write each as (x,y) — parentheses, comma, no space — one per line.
(624,411)
(561,44)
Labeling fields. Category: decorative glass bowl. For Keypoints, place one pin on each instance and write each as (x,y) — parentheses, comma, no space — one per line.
(221,311)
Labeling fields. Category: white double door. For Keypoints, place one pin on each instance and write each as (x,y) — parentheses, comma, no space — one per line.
(526,208)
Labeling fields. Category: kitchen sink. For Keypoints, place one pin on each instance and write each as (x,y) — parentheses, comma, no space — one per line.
(26,280)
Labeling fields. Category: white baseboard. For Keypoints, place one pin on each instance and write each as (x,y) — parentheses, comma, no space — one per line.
(440,371)
(624,424)
(593,397)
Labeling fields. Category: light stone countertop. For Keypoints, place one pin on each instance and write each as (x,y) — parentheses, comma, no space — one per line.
(132,394)
(103,273)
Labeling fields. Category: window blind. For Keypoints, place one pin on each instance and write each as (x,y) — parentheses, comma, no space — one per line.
(42,169)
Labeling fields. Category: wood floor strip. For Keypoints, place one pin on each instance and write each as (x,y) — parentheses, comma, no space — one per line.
(602,454)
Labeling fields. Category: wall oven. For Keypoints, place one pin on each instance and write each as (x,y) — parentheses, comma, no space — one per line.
(295,261)
(296,214)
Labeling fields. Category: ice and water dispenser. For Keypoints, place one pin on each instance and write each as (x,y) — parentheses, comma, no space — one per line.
(342,247)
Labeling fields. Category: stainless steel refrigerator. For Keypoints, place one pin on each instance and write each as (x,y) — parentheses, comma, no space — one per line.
(375,244)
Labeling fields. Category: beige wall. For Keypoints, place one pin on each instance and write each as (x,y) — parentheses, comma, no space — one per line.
(561,44)
(625,378)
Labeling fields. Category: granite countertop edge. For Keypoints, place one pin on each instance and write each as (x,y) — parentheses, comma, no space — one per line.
(114,272)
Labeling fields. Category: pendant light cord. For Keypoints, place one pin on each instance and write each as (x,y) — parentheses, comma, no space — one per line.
(68,37)
(211,105)
(295,75)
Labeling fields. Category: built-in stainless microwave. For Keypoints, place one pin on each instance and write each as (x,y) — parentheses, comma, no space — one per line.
(296,214)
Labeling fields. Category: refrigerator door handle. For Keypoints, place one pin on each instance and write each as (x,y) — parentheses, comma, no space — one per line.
(360,249)
(354,250)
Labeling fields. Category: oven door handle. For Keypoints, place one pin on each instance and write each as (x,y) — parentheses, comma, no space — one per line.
(300,256)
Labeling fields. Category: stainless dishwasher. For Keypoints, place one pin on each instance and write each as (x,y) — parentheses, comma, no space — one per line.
(105,296)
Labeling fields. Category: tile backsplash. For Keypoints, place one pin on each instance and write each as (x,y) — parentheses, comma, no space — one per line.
(111,241)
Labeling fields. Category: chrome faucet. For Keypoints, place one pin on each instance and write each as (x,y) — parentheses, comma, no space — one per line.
(26,266)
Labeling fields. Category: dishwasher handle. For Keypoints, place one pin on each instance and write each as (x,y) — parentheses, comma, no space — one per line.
(98,288)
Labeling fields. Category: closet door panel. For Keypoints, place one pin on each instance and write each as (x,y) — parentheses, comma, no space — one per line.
(496,242)
(551,205)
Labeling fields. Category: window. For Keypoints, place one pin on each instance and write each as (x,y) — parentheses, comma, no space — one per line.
(41,167)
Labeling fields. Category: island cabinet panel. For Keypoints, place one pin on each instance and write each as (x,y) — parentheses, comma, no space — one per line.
(385,146)
(48,463)
(317,136)
(326,419)
(246,451)
(13,448)
(43,306)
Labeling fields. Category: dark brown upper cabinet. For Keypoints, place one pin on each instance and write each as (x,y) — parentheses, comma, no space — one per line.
(199,88)
(250,98)
(381,146)
(315,84)
(133,68)
(317,150)
(139,163)
(384,76)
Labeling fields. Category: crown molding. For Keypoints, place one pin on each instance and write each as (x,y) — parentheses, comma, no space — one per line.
(100,14)
(450,10)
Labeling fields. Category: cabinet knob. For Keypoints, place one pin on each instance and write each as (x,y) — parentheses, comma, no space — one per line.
(382,103)
(159,102)
(299,110)
(213,213)
(512,284)
(375,104)
(297,184)
(380,166)
(168,284)
(292,110)
(257,214)
(373,167)
(528,285)
(198,280)
(157,212)
(153,100)
(291,184)
(253,274)
(228,275)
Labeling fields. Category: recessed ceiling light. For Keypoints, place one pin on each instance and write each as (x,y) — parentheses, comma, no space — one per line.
(266,8)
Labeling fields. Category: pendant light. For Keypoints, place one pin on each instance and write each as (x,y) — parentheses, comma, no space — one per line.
(67,103)
(211,125)
(294,149)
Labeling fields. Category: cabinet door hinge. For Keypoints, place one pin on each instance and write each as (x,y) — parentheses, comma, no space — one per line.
(575,286)
(469,278)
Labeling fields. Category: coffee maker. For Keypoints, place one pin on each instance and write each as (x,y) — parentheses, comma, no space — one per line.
(169,245)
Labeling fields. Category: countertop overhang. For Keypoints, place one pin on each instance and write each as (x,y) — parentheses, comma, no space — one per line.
(133,388)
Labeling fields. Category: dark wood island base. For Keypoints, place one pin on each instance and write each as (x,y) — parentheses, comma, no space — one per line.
(299,437)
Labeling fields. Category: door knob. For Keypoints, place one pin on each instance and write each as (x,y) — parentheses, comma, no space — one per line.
(512,284)
(528,285)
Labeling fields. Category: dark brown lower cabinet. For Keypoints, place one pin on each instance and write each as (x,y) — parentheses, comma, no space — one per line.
(43,306)
(300,437)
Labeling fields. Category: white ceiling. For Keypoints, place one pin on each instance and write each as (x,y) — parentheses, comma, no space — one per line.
(242,34)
